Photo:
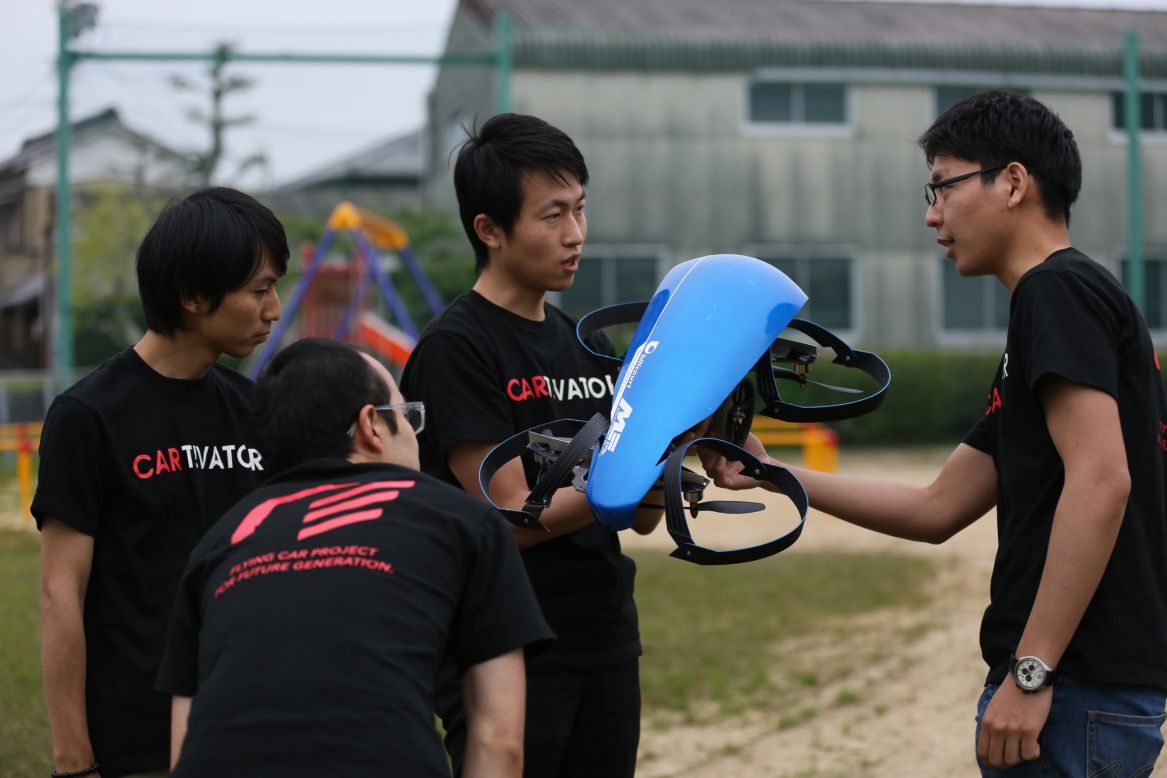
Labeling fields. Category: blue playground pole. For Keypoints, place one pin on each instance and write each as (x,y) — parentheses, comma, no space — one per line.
(391,297)
(432,298)
(344,327)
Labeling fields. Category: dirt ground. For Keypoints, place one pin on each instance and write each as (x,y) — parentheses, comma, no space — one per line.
(916,708)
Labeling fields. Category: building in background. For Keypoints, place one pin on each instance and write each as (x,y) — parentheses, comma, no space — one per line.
(105,153)
(785,129)
(382,178)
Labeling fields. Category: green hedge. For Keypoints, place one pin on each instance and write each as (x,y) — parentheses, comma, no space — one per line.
(935,397)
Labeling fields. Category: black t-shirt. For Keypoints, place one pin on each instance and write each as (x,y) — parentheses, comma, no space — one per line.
(1070,318)
(484,374)
(144,464)
(311,619)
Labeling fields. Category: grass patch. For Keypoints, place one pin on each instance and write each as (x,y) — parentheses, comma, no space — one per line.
(798,717)
(847,697)
(25,748)
(715,634)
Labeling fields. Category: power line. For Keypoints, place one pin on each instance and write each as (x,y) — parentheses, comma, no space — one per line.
(220,30)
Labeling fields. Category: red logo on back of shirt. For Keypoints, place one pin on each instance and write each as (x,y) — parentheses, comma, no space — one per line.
(355,504)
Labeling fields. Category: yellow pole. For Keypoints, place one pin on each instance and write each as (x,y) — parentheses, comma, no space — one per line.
(24,470)
(820,448)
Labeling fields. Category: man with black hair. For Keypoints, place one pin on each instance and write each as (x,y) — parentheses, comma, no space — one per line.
(1071,449)
(310,618)
(137,459)
(501,359)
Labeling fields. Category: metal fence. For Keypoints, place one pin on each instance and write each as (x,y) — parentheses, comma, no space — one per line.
(25,395)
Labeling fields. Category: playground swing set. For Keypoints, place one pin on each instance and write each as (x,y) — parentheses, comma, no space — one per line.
(332,299)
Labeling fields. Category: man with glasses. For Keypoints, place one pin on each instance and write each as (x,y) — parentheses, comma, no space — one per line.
(1071,449)
(311,617)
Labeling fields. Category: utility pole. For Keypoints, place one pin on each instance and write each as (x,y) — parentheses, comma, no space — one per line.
(1134,167)
(72,19)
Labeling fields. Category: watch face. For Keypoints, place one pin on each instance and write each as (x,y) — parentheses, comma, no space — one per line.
(1030,673)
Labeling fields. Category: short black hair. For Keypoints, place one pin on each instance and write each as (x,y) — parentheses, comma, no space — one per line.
(205,245)
(488,175)
(996,128)
(308,397)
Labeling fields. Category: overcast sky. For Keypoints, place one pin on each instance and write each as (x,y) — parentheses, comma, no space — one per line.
(306,115)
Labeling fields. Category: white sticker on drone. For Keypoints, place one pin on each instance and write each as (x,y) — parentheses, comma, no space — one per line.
(623,409)
(619,419)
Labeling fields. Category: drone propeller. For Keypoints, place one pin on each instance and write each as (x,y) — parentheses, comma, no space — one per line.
(801,355)
(727,506)
(794,375)
(779,477)
(715,506)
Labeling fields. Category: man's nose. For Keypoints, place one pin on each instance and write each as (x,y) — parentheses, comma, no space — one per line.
(574,231)
(274,310)
(932,216)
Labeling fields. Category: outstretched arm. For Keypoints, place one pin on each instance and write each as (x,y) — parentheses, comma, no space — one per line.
(964,491)
(66,559)
(495,692)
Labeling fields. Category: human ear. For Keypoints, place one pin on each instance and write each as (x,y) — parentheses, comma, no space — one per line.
(1019,181)
(366,435)
(487,231)
(193,305)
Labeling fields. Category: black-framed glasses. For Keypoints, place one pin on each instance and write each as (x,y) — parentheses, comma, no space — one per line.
(931,193)
(414,413)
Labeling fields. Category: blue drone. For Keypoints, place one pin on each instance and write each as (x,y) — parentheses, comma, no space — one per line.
(726,311)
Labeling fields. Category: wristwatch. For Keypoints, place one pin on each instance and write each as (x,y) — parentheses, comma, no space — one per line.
(1031,674)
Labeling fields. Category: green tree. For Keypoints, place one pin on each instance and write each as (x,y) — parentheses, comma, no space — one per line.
(109,222)
(218,85)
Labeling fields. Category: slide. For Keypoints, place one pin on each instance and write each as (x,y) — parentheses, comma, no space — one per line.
(382,337)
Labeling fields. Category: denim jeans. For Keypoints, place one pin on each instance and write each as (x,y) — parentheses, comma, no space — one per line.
(1092,732)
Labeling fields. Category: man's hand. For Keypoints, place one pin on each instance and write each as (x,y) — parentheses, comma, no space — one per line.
(1011,725)
(726,473)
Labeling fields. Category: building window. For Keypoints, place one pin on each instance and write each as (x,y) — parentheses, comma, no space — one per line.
(1153,289)
(607,280)
(773,102)
(973,304)
(11,232)
(827,284)
(1152,111)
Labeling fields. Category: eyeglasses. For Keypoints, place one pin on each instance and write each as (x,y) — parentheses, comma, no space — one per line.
(931,193)
(414,415)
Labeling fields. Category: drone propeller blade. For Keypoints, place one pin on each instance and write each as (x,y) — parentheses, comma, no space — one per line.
(782,372)
(730,506)
(717,506)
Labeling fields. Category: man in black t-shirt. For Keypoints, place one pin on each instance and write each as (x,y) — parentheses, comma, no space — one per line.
(1071,449)
(136,460)
(310,618)
(500,359)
